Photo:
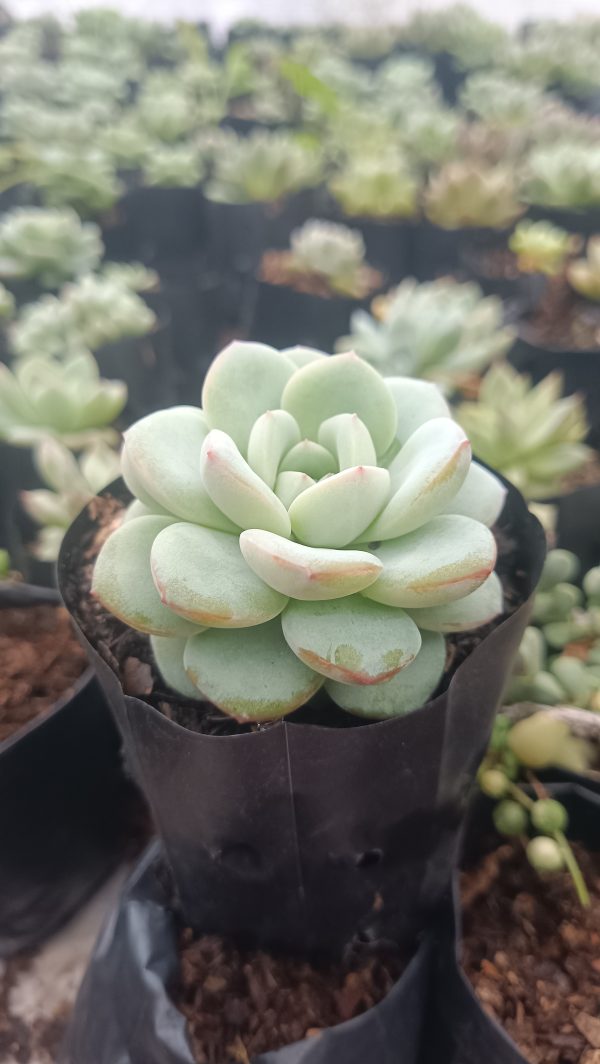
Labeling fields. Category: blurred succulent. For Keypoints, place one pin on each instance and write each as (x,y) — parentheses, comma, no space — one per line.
(132,275)
(472,40)
(332,252)
(103,310)
(500,100)
(563,175)
(5,567)
(376,186)
(71,483)
(168,114)
(80,82)
(295,551)
(406,81)
(440,330)
(541,247)
(126,143)
(262,168)
(465,194)
(67,400)
(584,274)
(84,179)
(368,41)
(530,434)
(556,122)
(45,329)
(32,120)
(429,134)
(7,304)
(177,166)
(49,246)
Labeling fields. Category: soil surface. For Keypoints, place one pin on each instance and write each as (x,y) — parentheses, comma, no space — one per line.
(277,269)
(532,954)
(563,321)
(40,660)
(498,263)
(238,1004)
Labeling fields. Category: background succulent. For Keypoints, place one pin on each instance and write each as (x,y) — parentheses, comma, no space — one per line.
(132,275)
(464,194)
(584,273)
(83,179)
(501,100)
(532,435)
(541,247)
(174,166)
(102,310)
(563,175)
(333,252)
(459,30)
(7,304)
(441,330)
(332,531)
(376,187)
(50,246)
(262,167)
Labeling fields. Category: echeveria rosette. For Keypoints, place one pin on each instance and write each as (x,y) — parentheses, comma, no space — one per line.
(313,523)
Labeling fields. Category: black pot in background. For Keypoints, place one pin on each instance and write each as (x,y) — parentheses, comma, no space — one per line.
(525,290)
(343,815)
(124,1011)
(284,317)
(449,75)
(66,808)
(145,364)
(17,473)
(166,222)
(578,524)
(438,251)
(25,291)
(22,195)
(586,221)
(239,233)
(388,244)
(580,370)
(463,1033)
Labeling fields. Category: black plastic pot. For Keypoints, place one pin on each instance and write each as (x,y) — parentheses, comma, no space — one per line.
(463,1033)
(287,834)
(283,317)
(239,233)
(166,222)
(124,1012)
(145,364)
(449,75)
(580,370)
(438,251)
(578,524)
(388,244)
(585,221)
(17,473)
(524,290)
(66,807)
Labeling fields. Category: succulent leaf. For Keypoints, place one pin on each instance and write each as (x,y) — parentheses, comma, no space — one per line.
(273,434)
(237,490)
(349,440)
(334,512)
(310,458)
(480,607)
(290,484)
(308,573)
(168,655)
(481,496)
(416,402)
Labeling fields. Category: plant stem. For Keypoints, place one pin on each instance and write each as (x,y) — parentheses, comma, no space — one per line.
(573,867)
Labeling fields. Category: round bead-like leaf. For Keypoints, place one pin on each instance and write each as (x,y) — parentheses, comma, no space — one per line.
(351,640)
(161,462)
(168,655)
(480,607)
(201,575)
(443,561)
(481,496)
(334,512)
(289,485)
(416,402)
(348,438)
(310,458)
(237,490)
(341,384)
(272,436)
(244,380)
(250,675)
(309,573)
(408,690)
(426,475)
(122,579)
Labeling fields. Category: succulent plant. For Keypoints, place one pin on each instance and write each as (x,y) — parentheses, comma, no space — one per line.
(532,435)
(584,274)
(541,247)
(74,177)
(429,134)
(132,275)
(67,400)
(126,143)
(473,41)
(49,246)
(333,252)
(376,186)
(465,194)
(563,175)
(71,483)
(45,329)
(262,168)
(168,113)
(175,166)
(102,310)
(440,330)
(500,100)
(7,304)
(406,80)
(297,551)
(31,120)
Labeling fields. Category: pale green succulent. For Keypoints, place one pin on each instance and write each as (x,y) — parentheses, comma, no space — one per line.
(262,168)
(168,113)
(313,523)
(126,143)
(474,42)
(440,330)
(79,82)
(132,275)
(45,329)
(541,247)
(48,246)
(68,400)
(7,304)
(406,81)
(563,175)
(502,101)
(84,179)
(71,483)
(32,120)
(376,186)
(102,311)
(429,134)
(464,194)
(174,166)
(531,434)
(333,252)
(584,274)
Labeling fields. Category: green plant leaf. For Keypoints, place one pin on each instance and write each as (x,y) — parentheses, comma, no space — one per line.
(242,383)
(480,607)
(348,438)
(309,86)
(481,496)
(416,402)
(272,436)
(308,573)
(301,356)
(168,655)
(237,490)
(334,512)
(290,484)
(310,458)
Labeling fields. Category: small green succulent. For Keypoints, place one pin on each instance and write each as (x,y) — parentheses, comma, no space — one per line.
(49,246)
(376,186)
(69,176)
(102,311)
(174,166)
(440,330)
(473,41)
(405,81)
(132,275)
(45,329)
(563,175)
(465,194)
(167,113)
(541,247)
(31,120)
(532,435)
(584,274)
(274,545)
(125,143)
(500,100)
(332,252)
(429,134)
(262,168)
(67,400)
(70,484)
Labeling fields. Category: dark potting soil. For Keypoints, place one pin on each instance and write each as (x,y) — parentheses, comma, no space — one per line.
(40,660)
(499,263)
(562,321)
(532,954)
(276,269)
(129,655)
(241,1003)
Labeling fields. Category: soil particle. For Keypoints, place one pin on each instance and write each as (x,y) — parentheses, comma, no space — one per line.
(531,952)
(40,660)
(241,1003)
